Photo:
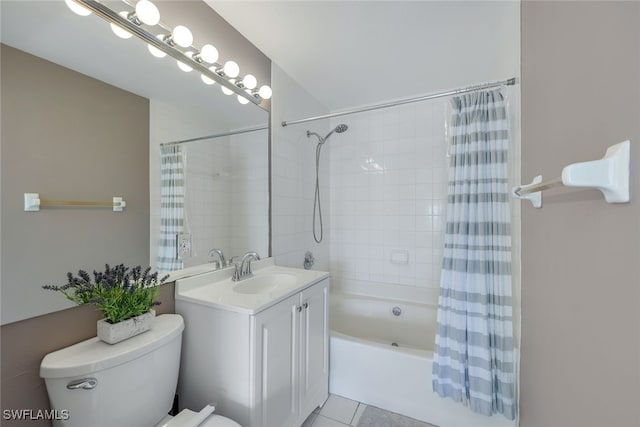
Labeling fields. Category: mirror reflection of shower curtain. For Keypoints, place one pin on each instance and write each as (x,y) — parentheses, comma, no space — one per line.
(474,350)
(172,207)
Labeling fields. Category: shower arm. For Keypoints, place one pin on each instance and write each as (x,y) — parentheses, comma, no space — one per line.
(320,139)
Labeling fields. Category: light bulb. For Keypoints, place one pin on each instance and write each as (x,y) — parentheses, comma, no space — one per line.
(182,36)
(249,81)
(226,90)
(184,67)
(77,8)
(242,100)
(209,53)
(206,79)
(147,12)
(265,92)
(231,69)
(120,32)
(154,50)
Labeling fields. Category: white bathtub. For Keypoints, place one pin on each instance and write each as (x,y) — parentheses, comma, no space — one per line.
(365,366)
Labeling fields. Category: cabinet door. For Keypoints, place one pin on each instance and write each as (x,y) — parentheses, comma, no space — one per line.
(314,369)
(277,365)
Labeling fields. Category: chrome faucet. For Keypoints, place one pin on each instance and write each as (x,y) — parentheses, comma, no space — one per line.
(223,262)
(243,270)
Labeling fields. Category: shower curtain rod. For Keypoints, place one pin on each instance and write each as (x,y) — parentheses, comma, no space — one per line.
(509,82)
(217,135)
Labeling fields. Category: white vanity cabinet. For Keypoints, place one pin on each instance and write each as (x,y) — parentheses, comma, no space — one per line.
(268,369)
(291,367)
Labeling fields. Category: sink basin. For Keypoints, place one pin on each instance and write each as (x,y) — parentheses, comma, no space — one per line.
(269,285)
(265,283)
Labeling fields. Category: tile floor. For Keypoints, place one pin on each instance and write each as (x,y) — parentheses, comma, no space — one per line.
(337,411)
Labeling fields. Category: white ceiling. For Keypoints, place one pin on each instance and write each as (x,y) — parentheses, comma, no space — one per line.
(351,53)
(345,53)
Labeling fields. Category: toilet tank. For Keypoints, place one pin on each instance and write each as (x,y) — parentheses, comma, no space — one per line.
(134,381)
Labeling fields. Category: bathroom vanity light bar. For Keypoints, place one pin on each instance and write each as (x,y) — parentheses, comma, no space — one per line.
(169,49)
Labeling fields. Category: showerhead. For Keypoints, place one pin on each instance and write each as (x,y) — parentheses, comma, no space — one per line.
(338,129)
(341,128)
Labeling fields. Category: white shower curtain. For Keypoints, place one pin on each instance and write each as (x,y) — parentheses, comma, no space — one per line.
(474,357)
(172,191)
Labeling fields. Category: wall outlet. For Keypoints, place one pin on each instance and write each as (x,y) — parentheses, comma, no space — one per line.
(184,244)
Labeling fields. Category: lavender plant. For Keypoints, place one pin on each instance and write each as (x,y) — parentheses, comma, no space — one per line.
(119,292)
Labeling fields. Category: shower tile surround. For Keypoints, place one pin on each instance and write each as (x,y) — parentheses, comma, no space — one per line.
(208,220)
(388,186)
(388,195)
(383,185)
(249,200)
(227,196)
(293,175)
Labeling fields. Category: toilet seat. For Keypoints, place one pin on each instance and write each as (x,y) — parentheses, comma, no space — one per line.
(204,418)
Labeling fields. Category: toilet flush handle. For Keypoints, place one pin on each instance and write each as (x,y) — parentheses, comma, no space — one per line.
(84,383)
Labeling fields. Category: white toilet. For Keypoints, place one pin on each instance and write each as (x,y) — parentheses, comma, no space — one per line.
(129,384)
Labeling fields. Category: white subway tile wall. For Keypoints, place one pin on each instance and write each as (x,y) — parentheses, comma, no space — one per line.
(228,196)
(208,192)
(249,193)
(293,175)
(388,195)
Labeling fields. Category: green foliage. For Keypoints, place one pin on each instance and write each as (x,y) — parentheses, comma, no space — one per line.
(120,293)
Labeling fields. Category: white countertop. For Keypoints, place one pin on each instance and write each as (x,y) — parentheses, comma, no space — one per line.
(216,289)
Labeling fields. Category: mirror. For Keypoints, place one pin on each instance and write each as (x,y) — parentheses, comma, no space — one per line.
(226,178)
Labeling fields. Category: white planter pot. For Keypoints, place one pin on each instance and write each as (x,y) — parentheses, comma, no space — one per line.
(114,333)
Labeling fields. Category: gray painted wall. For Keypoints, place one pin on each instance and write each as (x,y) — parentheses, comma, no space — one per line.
(68,137)
(580,363)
